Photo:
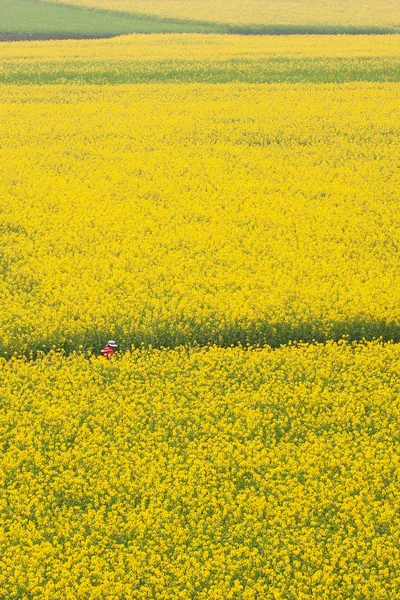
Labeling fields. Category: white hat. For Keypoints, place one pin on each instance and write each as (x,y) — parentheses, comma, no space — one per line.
(112,344)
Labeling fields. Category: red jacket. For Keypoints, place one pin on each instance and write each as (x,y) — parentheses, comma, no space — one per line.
(107,352)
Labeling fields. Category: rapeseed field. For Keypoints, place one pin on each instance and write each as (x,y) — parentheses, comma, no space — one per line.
(210,473)
(226,208)
(203,59)
(172,214)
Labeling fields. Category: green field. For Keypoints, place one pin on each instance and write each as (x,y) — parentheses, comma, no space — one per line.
(32,19)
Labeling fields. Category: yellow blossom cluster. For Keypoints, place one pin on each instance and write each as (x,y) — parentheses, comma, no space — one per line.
(276,12)
(212,474)
(170,214)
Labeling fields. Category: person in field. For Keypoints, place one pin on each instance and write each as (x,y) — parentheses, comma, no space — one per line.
(109,350)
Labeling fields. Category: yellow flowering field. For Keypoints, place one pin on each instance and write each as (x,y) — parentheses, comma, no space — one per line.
(203,58)
(215,204)
(200,48)
(277,12)
(174,214)
(211,474)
